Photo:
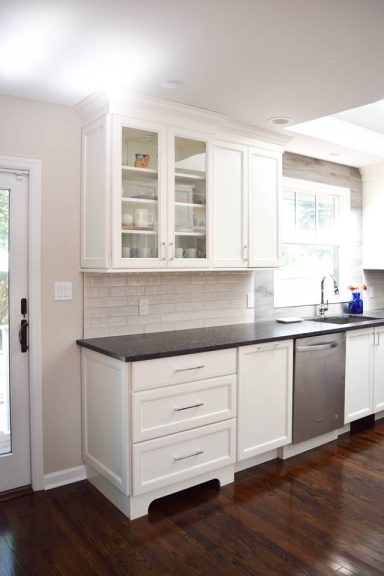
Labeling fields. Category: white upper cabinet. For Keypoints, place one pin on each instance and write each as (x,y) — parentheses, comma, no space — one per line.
(246,191)
(373,209)
(230,205)
(188,199)
(264,194)
(159,192)
(139,194)
(95,201)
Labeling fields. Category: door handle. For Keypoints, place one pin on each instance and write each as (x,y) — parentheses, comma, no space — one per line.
(314,347)
(23,335)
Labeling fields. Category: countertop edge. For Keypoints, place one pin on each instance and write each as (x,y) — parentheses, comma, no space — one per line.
(235,343)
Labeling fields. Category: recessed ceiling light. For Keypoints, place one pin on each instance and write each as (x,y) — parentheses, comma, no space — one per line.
(280,120)
(173,83)
(335,153)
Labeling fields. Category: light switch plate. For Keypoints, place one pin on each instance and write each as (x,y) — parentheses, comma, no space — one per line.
(251,300)
(63,290)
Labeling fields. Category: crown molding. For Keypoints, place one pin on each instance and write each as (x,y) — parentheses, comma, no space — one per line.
(137,105)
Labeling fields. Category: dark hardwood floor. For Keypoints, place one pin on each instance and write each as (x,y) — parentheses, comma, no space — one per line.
(320,513)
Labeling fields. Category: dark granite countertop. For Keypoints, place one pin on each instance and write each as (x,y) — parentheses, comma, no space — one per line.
(137,347)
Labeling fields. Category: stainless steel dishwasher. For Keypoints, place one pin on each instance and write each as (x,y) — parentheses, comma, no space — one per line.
(319,381)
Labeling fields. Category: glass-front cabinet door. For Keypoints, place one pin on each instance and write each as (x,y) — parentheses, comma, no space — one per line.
(138,215)
(188,234)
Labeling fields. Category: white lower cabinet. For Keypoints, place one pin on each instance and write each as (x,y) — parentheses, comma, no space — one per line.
(163,461)
(172,409)
(265,373)
(364,373)
(156,427)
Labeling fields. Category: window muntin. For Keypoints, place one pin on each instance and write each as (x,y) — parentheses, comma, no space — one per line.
(313,217)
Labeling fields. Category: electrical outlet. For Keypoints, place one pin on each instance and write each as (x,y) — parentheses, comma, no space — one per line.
(143,307)
(371,292)
(251,300)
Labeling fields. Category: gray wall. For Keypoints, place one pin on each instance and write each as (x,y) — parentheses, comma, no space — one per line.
(52,134)
(305,168)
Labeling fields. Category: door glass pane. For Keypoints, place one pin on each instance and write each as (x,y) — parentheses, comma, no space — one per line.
(190,198)
(139,202)
(5,400)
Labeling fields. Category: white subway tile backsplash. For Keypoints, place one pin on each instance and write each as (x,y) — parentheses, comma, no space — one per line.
(126,290)
(125,330)
(177,300)
(189,324)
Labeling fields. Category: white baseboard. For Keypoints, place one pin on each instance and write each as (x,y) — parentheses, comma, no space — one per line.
(256,460)
(63,477)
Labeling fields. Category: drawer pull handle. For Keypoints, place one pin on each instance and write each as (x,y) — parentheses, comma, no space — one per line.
(177,458)
(189,407)
(190,368)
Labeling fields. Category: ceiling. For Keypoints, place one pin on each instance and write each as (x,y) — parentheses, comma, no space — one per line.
(248,59)
(354,137)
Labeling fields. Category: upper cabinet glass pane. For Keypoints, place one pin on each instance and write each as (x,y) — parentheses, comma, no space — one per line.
(190,198)
(139,210)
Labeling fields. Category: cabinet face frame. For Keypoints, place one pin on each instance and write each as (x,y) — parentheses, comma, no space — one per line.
(260,226)
(242,261)
(189,263)
(120,122)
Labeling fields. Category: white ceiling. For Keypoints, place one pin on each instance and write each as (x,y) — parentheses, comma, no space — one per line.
(354,137)
(249,59)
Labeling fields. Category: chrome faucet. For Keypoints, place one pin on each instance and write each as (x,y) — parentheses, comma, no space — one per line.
(324,307)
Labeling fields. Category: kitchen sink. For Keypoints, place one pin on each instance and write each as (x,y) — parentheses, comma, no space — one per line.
(344,319)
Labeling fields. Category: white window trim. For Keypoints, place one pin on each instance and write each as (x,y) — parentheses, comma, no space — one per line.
(344,195)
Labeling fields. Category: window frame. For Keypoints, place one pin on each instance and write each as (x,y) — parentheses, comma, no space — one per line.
(341,240)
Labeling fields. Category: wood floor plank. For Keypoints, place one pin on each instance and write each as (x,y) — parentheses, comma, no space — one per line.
(317,514)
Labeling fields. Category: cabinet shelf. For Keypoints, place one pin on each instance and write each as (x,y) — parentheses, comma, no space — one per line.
(190,204)
(138,231)
(148,173)
(181,176)
(201,234)
(132,200)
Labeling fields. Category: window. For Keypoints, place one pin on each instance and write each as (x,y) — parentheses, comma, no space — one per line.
(314,241)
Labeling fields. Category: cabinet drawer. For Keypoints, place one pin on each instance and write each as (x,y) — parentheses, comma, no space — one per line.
(176,408)
(185,368)
(178,457)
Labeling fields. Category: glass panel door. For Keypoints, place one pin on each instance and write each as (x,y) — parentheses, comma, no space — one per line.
(14,356)
(190,199)
(5,396)
(139,201)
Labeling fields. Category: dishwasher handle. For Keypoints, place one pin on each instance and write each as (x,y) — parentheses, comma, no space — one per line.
(315,347)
